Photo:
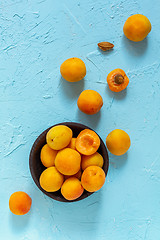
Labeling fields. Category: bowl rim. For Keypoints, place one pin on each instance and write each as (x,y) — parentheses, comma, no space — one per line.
(51,194)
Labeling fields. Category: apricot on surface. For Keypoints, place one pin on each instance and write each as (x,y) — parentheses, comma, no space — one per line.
(93,160)
(117,80)
(68,161)
(93,178)
(118,142)
(72,144)
(51,180)
(72,189)
(77,175)
(59,137)
(73,69)
(87,142)
(48,156)
(90,102)
(137,27)
(20,203)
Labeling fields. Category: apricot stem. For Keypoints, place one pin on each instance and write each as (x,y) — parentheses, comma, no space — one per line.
(119,79)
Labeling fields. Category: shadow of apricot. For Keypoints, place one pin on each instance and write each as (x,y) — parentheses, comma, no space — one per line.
(118,161)
(135,48)
(71,90)
(19,223)
(89,120)
(116,95)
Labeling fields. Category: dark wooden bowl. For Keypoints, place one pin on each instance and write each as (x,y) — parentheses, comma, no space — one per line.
(37,168)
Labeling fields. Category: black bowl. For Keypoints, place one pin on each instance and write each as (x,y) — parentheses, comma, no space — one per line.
(36,167)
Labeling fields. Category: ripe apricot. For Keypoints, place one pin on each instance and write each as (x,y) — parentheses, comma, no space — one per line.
(72,189)
(73,69)
(90,102)
(72,144)
(59,137)
(93,160)
(118,142)
(68,161)
(137,27)
(93,178)
(20,203)
(87,142)
(48,156)
(117,80)
(51,180)
(77,175)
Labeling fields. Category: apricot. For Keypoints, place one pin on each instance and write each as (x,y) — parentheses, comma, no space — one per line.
(137,27)
(72,189)
(68,161)
(59,137)
(51,180)
(72,144)
(73,69)
(77,175)
(118,142)
(93,178)
(48,156)
(117,80)
(90,102)
(87,142)
(20,203)
(93,160)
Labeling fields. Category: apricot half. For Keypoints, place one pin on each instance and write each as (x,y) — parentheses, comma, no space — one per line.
(90,102)
(93,178)
(20,203)
(59,137)
(48,156)
(95,159)
(137,27)
(118,142)
(117,80)
(51,180)
(73,69)
(87,142)
(72,189)
(68,161)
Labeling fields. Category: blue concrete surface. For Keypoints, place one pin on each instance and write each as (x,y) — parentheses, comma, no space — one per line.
(35,38)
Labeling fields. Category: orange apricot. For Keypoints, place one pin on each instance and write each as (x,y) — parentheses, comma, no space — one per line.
(93,178)
(58,137)
(77,175)
(72,144)
(72,189)
(68,161)
(90,102)
(87,142)
(118,142)
(48,156)
(20,203)
(117,80)
(137,27)
(73,69)
(95,159)
(51,180)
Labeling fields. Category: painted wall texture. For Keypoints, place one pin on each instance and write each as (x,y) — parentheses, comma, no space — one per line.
(35,38)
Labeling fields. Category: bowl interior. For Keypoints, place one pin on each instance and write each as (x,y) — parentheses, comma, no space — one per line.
(37,168)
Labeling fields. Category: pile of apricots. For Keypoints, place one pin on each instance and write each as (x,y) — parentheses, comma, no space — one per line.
(72,164)
(58,154)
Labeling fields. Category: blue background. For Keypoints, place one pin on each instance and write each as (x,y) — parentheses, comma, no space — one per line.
(35,38)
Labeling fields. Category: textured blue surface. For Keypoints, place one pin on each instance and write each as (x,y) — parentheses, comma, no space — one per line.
(35,38)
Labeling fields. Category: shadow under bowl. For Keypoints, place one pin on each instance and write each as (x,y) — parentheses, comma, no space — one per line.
(36,167)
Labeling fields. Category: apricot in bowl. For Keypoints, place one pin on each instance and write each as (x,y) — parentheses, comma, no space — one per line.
(36,166)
